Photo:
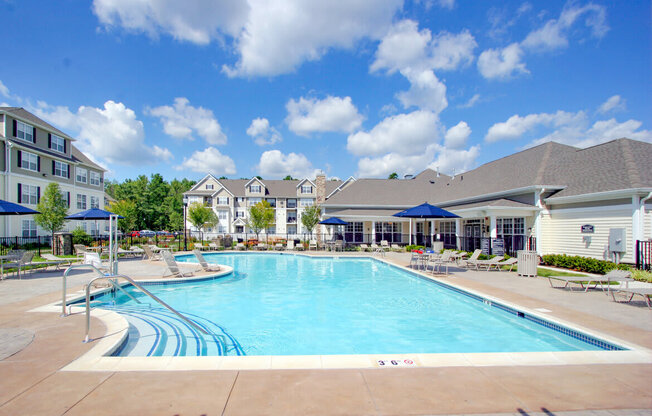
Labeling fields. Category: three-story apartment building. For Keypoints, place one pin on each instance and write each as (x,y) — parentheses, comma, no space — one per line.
(35,154)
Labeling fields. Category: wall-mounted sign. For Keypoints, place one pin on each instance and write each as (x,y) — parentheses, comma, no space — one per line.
(588,229)
(498,246)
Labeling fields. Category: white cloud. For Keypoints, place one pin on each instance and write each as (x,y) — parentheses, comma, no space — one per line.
(405,134)
(501,63)
(516,125)
(426,91)
(457,135)
(197,21)
(4,91)
(332,114)
(451,161)
(181,120)
(112,133)
(209,160)
(274,164)
(554,33)
(447,4)
(612,104)
(472,101)
(312,28)
(405,47)
(262,133)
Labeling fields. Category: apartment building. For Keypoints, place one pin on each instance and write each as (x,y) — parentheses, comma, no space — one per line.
(232,198)
(36,154)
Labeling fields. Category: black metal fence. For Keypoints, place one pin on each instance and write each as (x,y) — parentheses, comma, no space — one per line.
(644,255)
(24,243)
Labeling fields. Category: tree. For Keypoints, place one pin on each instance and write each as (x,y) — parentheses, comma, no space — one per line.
(288,178)
(201,216)
(127,209)
(310,217)
(261,216)
(393,175)
(53,209)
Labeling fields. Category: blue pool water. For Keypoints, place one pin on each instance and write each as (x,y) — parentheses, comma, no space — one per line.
(279,304)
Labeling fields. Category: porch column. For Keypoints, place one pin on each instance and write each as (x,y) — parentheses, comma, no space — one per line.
(410,219)
(432,233)
(373,231)
(458,233)
(493,232)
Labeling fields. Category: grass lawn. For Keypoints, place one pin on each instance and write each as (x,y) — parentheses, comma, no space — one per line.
(546,272)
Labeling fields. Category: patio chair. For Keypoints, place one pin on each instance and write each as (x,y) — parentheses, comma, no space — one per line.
(150,254)
(213,246)
(364,247)
(384,244)
(240,246)
(487,263)
(94,260)
(443,260)
(80,249)
(396,247)
(612,276)
(644,292)
(137,250)
(172,265)
(53,260)
(261,246)
(339,245)
(290,245)
(132,253)
(19,264)
(204,264)
(279,247)
(299,247)
(312,245)
(373,247)
(511,262)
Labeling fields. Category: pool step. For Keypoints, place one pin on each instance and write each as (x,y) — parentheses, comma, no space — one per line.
(158,332)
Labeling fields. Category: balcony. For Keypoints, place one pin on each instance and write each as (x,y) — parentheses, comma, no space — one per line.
(291,220)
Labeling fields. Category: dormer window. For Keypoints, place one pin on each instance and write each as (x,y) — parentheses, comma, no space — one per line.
(254,189)
(210,186)
(25,131)
(306,189)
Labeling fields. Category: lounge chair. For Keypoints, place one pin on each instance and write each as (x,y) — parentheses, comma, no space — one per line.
(150,254)
(644,292)
(364,247)
(299,247)
(279,246)
(240,246)
(261,246)
(80,249)
(312,245)
(487,263)
(53,260)
(612,276)
(214,246)
(396,247)
(471,260)
(443,260)
(94,260)
(339,245)
(19,264)
(172,265)
(511,262)
(384,244)
(290,245)
(204,264)
(373,247)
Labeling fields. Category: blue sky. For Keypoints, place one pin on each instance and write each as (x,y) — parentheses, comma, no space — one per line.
(359,87)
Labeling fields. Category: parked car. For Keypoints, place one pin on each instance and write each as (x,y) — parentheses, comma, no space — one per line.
(164,233)
(134,234)
(147,233)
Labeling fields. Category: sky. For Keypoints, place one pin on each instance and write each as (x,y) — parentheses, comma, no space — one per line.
(357,88)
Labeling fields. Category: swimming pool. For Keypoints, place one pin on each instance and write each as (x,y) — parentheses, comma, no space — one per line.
(283,304)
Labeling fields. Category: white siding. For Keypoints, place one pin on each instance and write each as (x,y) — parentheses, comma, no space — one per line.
(647,232)
(561,231)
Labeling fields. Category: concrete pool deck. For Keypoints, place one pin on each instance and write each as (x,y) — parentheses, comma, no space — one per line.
(33,382)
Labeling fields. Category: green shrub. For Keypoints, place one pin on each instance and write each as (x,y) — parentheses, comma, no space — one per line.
(583,264)
(413,247)
(79,236)
(642,275)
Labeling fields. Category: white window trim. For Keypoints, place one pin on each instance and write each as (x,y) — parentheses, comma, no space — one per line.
(80,198)
(62,164)
(77,176)
(27,127)
(53,137)
(29,155)
(90,178)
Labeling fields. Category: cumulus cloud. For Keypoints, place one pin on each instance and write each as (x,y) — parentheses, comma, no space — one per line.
(405,47)
(501,63)
(209,160)
(112,133)
(4,91)
(405,134)
(312,28)
(275,164)
(516,125)
(262,133)
(456,136)
(451,161)
(197,21)
(332,114)
(554,33)
(426,91)
(614,103)
(472,101)
(182,119)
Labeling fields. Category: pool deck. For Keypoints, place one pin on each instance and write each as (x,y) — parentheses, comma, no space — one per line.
(35,347)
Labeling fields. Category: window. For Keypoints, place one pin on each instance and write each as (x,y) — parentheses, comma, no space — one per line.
(254,189)
(306,202)
(272,202)
(29,228)
(95,178)
(306,189)
(60,169)
(81,201)
(239,214)
(254,201)
(29,161)
(210,186)
(221,228)
(222,215)
(292,203)
(82,175)
(24,131)
(512,231)
(240,199)
(353,232)
(57,143)
(65,197)
(239,229)
(29,194)
(222,200)
(95,202)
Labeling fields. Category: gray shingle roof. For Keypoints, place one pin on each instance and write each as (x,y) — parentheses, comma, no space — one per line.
(276,188)
(23,114)
(501,202)
(78,156)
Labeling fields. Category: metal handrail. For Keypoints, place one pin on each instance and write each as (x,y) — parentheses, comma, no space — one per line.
(65,275)
(142,289)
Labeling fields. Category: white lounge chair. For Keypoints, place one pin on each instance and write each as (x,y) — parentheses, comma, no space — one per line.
(443,260)
(172,265)
(312,245)
(57,261)
(94,260)
(19,264)
(364,247)
(471,260)
(279,247)
(487,263)
(511,262)
(150,254)
(261,246)
(396,247)
(290,245)
(240,246)
(644,292)
(204,264)
(384,244)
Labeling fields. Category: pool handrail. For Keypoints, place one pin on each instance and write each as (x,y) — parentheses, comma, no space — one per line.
(142,289)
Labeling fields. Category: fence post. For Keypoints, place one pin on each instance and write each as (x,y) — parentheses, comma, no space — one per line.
(638,254)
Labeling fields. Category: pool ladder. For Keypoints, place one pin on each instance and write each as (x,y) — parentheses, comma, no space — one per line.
(112,280)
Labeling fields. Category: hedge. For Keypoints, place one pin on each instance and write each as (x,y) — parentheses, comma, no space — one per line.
(582,264)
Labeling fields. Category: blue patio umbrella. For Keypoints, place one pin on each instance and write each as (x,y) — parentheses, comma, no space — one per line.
(333,221)
(425,210)
(9,208)
(92,214)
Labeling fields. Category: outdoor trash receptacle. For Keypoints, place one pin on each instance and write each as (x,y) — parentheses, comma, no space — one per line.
(527,263)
